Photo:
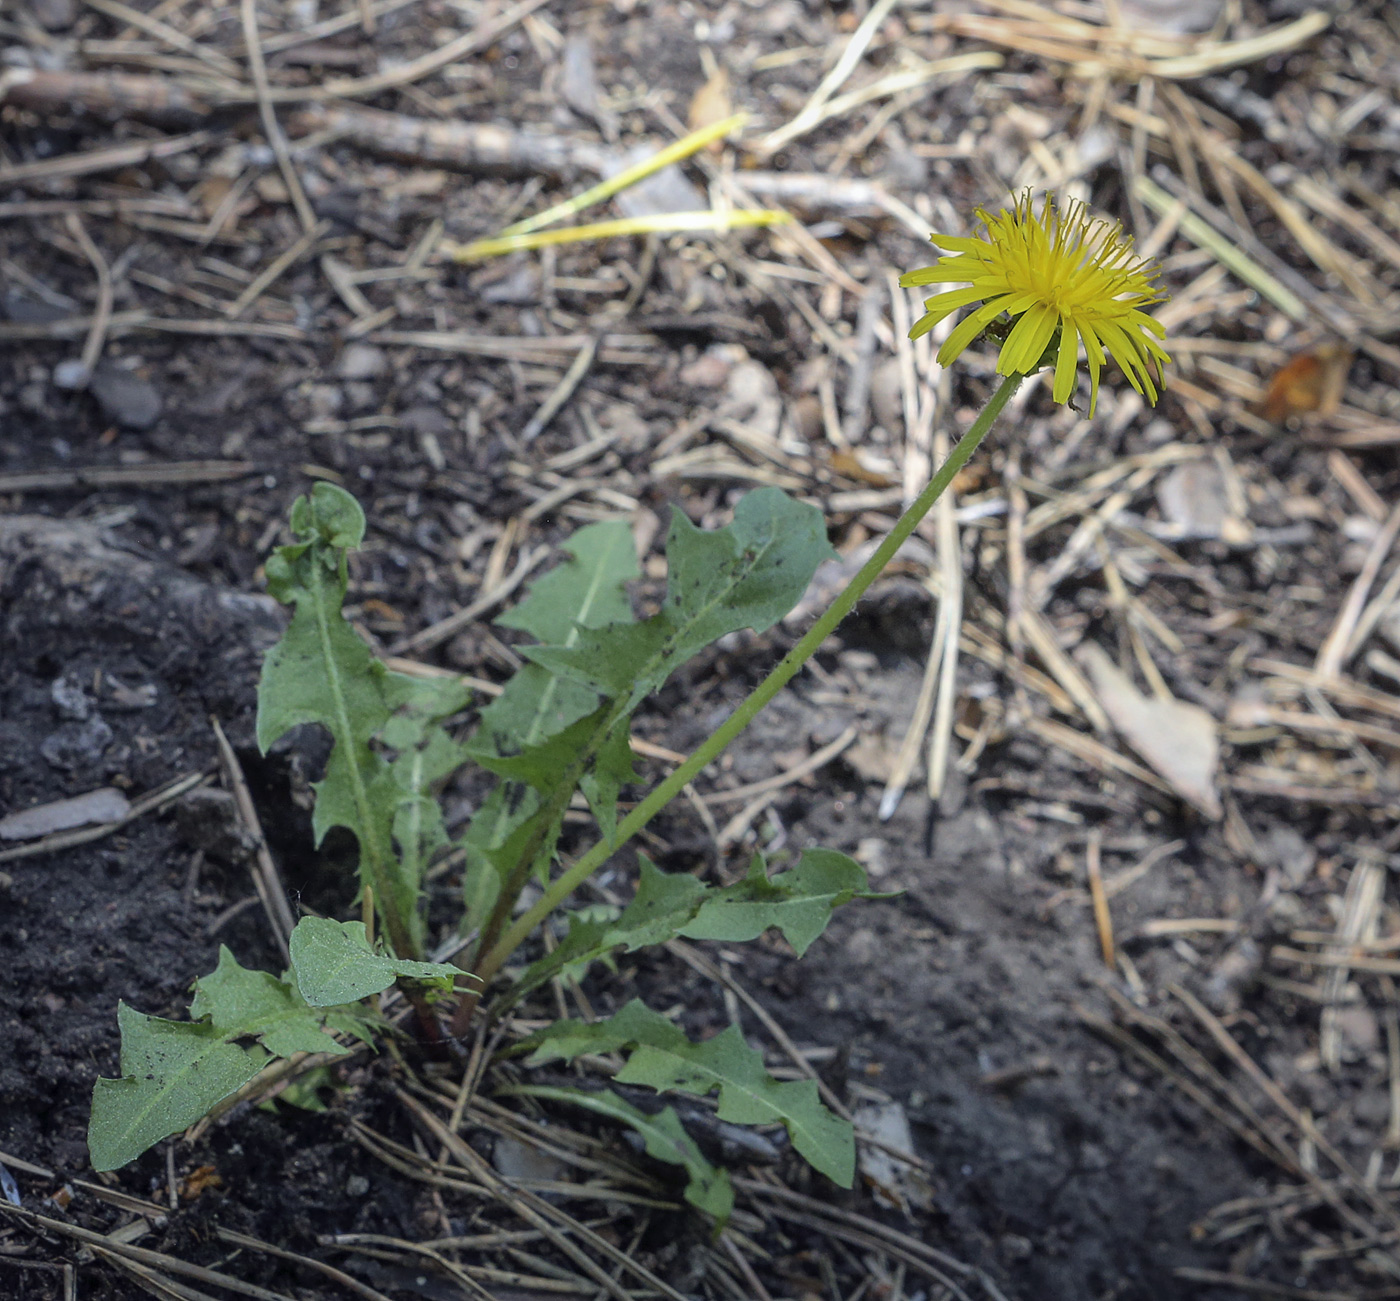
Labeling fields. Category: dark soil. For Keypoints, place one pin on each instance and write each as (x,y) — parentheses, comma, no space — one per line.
(1072,1180)
(131,612)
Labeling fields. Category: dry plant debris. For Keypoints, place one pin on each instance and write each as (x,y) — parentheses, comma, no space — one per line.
(184,184)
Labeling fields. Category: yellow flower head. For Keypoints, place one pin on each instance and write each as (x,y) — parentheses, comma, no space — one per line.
(1057,273)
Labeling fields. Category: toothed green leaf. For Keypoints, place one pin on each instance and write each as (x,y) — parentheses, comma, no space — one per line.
(747,575)
(797,902)
(587,590)
(333,963)
(323,672)
(174,1072)
(662,1058)
(237,1002)
(707,1188)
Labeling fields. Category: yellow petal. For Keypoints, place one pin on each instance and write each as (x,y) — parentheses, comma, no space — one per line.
(1067,363)
(968,329)
(940,306)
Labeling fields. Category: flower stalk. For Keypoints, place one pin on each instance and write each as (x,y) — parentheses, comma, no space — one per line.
(787,668)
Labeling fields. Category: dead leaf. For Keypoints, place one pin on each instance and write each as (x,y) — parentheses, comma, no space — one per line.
(578,84)
(1170,15)
(849,465)
(1307,383)
(711,104)
(1178,740)
(899,1185)
(198,1181)
(1194,500)
(874,755)
(106,804)
(211,192)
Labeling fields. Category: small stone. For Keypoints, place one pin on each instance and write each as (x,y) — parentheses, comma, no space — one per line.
(517,1160)
(863,946)
(325,401)
(362,361)
(360,396)
(873,854)
(1372,1108)
(887,395)
(1194,500)
(1015,1247)
(518,286)
(710,369)
(423,420)
(26,311)
(668,190)
(70,374)
(357,1186)
(1359,1027)
(1283,848)
(70,699)
(16,747)
(125,399)
(76,745)
(54,15)
(751,396)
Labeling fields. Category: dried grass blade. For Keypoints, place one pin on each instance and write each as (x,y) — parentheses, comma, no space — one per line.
(665,223)
(672,153)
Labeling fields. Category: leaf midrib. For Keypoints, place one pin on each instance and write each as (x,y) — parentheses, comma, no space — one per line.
(591,594)
(794,1123)
(359,792)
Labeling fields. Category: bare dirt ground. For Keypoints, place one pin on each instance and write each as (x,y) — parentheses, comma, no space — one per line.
(1136,999)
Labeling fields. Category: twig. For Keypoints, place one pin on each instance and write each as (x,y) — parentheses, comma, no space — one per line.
(437,633)
(102,313)
(248,10)
(140,1255)
(166,34)
(1335,650)
(485,34)
(949,624)
(104,160)
(857,412)
(1361,907)
(336,1276)
(265,278)
(818,759)
(1301,1121)
(267,880)
(1103,919)
(537,1212)
(114,476)
(563,391)
(811,111)
(86,835)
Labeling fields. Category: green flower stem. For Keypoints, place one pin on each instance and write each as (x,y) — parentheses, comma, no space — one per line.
(665,791)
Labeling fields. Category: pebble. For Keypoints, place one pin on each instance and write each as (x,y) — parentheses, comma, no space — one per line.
(70,375)
(422,420)
(125,399)
(76,745)
(26,311)
(362,361)
(326,401)
(70,699)
(54,15)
